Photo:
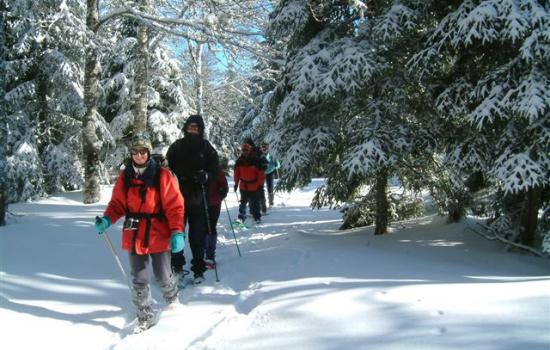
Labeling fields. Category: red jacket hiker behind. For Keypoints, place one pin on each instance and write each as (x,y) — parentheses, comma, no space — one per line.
(217,190)
(248,173)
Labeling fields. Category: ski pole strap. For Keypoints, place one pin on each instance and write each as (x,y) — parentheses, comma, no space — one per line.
(159,215)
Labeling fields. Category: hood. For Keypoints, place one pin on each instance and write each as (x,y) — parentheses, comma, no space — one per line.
(197,119)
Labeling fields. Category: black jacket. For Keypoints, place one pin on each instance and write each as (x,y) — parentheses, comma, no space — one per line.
(186,157)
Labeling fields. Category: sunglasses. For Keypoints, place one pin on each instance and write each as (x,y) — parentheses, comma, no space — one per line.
(141,152)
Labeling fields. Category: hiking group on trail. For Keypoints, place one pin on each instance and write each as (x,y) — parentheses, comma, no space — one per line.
(159,198)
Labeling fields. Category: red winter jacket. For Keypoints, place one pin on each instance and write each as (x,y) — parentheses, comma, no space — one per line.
(160,228)
(248,173)
(217,190)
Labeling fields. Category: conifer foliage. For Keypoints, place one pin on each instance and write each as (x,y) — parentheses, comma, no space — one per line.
(490,60)
(446,96)
(43,107)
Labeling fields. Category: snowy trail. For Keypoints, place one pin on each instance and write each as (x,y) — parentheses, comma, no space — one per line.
(300,283)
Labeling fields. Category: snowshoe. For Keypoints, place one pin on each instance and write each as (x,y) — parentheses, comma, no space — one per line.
(198,279)
(181,279)
(143,325)
(210,264)
(239,225)
(173,305)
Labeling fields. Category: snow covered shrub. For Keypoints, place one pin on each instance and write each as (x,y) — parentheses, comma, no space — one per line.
(363,212)
(360,213)
(450,195)
(63,167)
(24,173)
(502,227)
(22,167)
(405,206)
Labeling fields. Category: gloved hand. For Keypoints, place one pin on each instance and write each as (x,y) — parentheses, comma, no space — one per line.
(102,224)
(223,192)
(177,242)
(236,187)
(200,177)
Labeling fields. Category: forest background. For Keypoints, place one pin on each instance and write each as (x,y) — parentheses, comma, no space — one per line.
(449,99)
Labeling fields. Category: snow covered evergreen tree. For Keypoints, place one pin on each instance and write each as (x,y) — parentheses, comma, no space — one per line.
(167,107)
(347,108)
(488,64)
(43,96)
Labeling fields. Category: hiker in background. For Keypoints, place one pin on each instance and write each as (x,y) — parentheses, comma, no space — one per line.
(195,162)
(271,169)
(249,177)
(149,197)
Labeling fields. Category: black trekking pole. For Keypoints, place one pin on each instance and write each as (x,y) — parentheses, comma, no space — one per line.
(232,229)
(208,224)
(115,255)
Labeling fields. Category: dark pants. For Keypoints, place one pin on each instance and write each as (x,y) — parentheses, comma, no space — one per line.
(252,197)
(263,203)
(269,183)
(210,241)
(195,217)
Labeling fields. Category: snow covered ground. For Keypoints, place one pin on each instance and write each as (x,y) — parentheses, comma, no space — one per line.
(300,284)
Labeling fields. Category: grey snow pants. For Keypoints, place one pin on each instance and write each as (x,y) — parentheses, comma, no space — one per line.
(141,293)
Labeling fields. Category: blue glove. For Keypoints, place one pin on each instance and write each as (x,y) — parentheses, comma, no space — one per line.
(102,224)
(177,242)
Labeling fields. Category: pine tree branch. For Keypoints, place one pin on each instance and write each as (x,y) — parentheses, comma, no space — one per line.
(506,241)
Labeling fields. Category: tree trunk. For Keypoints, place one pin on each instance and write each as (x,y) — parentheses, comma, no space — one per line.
(529,216)
(382,204)
(199,84)
(3,207)
(90,141)
(42,102)
(141,78)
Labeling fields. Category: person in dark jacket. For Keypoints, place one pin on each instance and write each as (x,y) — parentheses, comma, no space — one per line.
(249,177)
(217,191)
(271,168)
(149,198)
(195,162)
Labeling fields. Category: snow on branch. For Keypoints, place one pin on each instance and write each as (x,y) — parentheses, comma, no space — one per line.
(496,237)
(394,22)
(365,157)
(532,96)
(519,171)
(288,18)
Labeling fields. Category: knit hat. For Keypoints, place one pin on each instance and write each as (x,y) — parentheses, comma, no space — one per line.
(197,119)
(142,142)
(249,141)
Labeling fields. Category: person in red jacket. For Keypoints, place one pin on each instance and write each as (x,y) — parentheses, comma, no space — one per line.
(217,191)
(249,176)
(148,196)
